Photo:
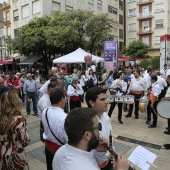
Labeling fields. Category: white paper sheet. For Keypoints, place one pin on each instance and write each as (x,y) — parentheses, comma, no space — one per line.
(140,156)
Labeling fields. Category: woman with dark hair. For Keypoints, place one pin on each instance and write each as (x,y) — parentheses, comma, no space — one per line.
(91,79)
(13,133)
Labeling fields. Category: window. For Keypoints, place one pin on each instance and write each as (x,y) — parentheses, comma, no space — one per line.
(145,40)
(145,26)
(159,7)
(9,31)
(159,23)
(55,6)
(121,19)
(7,17)
(112,10)
(36,7)
(132,12)
(132,27)
(25,11)
(68,8)
(157,39)
(121,33)
(16,32)
(131,40)
(121,5)
(145,11)
(16,15)
(1,32)
(99,4)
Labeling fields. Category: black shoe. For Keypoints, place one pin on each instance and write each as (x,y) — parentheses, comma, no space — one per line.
(120,122)
(35,114)
(167,132)
(152,126)
(167,146)
(136,117)
(127,116)
(148,122)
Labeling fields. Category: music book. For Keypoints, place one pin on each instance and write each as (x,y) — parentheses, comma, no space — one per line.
(140,156)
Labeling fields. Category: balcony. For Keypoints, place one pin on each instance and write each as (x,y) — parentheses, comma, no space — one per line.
(147,30)
(145,15)
(7,20)
(141,2)
(5,6)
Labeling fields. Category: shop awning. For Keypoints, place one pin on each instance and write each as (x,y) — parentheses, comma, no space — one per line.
(5,62)
(30,60)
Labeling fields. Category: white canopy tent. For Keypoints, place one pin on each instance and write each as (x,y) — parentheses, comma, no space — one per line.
(76,56)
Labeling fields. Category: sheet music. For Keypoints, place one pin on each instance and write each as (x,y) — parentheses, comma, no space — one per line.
(139,157)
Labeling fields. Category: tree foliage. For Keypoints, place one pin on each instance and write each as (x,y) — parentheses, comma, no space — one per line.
(62,33)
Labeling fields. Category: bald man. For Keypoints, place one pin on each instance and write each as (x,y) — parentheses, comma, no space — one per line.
(3,88)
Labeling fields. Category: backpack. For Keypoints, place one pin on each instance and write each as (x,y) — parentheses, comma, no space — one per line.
(90,83)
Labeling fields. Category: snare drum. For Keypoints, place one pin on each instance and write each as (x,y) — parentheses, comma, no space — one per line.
(119,99)
(163,108)
(128,99)
(110,98)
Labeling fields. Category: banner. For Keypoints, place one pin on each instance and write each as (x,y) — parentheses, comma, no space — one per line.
(62,68)
(110,52)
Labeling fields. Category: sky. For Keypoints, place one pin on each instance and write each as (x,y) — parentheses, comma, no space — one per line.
(2,1)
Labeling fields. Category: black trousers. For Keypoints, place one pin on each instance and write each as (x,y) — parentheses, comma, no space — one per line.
(169,125)
(152,111)
(49,159)
(112,106)
(137,97)
(74,104)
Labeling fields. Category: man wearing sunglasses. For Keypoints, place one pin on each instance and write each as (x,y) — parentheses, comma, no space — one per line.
(83,150)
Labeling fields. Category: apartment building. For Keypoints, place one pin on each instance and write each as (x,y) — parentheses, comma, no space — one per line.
(21,12)
(147,20)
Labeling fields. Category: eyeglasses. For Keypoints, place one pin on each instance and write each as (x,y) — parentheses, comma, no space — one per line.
(99,126)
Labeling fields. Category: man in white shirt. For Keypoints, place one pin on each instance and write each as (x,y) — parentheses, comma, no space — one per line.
(53,120)
(162,83)
(147,77)
(164,71)
(154,98)
(83,150)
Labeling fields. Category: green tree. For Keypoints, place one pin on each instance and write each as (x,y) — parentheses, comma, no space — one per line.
(145,63)
(137,49)
(155,62)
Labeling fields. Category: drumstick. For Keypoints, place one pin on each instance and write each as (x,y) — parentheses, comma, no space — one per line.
(151,164)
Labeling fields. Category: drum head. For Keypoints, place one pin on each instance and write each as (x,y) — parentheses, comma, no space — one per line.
(163,108)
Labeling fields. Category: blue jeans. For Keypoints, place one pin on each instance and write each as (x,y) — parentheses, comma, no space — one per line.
(32,96)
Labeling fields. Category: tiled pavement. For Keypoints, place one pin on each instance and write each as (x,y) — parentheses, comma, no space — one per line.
(132,128)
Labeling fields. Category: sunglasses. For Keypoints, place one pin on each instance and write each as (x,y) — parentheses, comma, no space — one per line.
(99,126)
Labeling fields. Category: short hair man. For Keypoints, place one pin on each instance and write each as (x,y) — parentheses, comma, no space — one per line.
(53,120)
(82,128)
(3,88)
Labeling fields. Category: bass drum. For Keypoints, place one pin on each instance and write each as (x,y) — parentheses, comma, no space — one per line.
(163,108)
(143,103)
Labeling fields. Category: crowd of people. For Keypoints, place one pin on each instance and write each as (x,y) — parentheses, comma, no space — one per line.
(71,133)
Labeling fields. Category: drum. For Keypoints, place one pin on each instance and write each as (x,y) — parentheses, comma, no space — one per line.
(119,98)
(163,108)
(128,99)
(143,103)
(80,92)
(110,98)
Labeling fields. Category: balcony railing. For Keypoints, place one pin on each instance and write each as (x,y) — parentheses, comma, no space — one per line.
(5,5)
(147,30)
(140,2)
(145,15)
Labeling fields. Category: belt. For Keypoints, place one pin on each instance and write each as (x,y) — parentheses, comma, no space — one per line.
(137,92)
(30,92)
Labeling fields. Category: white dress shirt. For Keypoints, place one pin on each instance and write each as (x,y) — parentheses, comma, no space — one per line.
(163,73)
(147,78)
(44,88)
(138,84)
(168,92)
(71,90)
(43,103)
(156,90)
(122,82)
(106,125)
(71,158)
(56,117)
(162,82)
(168,72)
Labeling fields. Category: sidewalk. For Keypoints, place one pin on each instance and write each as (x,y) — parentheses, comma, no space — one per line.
(151,139)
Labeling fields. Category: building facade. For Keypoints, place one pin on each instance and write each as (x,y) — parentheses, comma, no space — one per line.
(147,20)
(21,12)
